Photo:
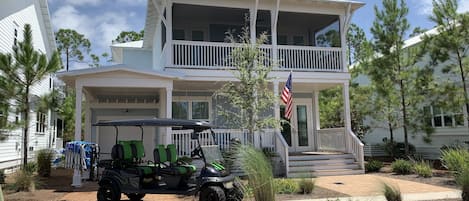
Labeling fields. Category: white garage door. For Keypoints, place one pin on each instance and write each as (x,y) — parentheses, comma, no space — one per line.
(107,138)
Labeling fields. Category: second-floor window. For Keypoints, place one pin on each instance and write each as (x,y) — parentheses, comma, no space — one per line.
(40,122)
(437,117)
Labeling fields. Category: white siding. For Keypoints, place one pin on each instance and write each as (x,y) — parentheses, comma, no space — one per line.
(14,14)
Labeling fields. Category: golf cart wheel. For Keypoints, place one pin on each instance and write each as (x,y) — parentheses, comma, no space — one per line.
(135,196)
(235,194)
(109,192)
(212,193)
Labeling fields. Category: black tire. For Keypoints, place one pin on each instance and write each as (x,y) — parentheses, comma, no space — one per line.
(109,192)
(212,193)
(235,194)
(135,196)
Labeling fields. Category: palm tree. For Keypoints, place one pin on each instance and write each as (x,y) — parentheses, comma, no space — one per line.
(25,68)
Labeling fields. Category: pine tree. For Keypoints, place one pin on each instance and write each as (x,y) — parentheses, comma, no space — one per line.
(250,96)
(25,68)
(450,46)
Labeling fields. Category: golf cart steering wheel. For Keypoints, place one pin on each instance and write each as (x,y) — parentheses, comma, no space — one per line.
(197,152)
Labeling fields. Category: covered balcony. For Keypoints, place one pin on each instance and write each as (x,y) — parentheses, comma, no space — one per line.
(296,41)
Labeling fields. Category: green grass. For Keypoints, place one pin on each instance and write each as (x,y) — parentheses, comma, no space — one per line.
(306,185)
(401,166)
(373,166)
(286,186)
(423,169)
(259,172)
(391,193)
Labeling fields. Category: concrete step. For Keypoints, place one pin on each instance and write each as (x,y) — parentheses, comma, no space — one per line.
(296,163)
(323,167)
(319,173)
(308,157)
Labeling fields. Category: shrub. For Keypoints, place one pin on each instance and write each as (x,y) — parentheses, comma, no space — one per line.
(391,193)
(401,166)
(259,173)
(286,186)
(462,179)
(44,159)
(24,181)
(423,169)
(397,149)
(306,185)
(30,168)
(373,166)
(455,159)
(2,176)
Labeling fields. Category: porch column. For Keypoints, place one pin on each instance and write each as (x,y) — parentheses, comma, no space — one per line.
(169,33)
(253,19)
(273,25)
(78,98)
(277,104)
(347,117)
(169,112)
(317,120)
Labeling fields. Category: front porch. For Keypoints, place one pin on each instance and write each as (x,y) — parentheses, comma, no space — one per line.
(119,93)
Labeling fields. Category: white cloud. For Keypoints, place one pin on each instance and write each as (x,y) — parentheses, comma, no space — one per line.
(425,7)
(100,28)
(84,2)
(463,6)
(133,2)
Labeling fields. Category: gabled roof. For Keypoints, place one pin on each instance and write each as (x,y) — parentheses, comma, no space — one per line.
(70,76)
(49,33)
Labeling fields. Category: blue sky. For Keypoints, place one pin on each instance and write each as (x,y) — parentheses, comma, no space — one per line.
(102,20)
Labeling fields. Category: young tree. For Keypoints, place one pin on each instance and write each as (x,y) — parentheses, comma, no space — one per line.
(388,72)
(250,96)
(450,46)
(128,36)
(25,68)
(72,45)
(356,44)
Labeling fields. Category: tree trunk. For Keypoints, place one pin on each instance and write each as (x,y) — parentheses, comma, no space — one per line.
(26,127)
(391,133)
(463,79)
(66,56)
(404,116)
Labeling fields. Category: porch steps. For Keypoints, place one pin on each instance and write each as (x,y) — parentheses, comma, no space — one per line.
(314,165)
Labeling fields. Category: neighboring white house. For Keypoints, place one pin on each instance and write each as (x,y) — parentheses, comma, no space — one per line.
(14,14)
(183,59)
(450,128)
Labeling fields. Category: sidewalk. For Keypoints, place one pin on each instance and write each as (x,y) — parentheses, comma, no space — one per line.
(358,187)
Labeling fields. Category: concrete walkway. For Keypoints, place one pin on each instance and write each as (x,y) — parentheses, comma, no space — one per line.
(369,187)
(358,187)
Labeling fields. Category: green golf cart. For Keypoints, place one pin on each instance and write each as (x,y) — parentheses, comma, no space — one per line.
(128,173)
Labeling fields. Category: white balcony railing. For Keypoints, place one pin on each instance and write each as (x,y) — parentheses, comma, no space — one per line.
(197,54)
(185,144)
(331,139)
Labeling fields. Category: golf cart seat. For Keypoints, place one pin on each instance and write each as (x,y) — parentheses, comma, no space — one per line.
(166,159)
(130,154)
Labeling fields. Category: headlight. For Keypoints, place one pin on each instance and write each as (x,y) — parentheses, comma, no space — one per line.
(228,185)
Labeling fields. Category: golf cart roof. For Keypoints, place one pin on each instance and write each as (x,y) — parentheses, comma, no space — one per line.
(175,123)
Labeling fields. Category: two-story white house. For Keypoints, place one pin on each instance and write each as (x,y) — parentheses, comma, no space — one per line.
(450,127)
(184,58)
(14,15)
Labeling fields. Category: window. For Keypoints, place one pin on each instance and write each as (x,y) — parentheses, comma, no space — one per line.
(438,118)
(197,36)
(40,122)
(179,34)
(282,40)
(191,109)
(298,40)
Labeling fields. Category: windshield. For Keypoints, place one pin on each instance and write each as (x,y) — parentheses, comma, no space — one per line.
(212,154)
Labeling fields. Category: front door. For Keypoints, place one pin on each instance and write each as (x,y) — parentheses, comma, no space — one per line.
(298,133)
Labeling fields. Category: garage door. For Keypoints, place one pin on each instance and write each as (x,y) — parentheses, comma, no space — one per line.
(107,138)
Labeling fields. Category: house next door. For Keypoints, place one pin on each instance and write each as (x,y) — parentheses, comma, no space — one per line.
(298,133)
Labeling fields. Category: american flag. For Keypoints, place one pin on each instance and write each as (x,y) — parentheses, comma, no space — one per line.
(287,98)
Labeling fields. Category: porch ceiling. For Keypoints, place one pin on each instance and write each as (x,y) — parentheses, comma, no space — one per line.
(121,91)
(213,86)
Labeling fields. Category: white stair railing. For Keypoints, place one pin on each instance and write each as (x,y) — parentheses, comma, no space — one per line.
(355,147)
(281,146)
